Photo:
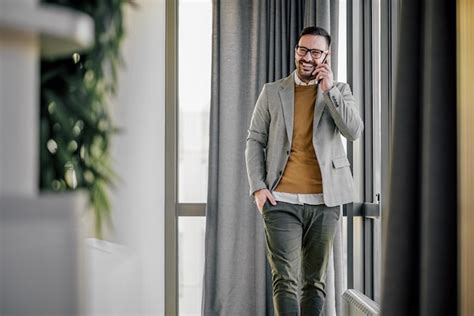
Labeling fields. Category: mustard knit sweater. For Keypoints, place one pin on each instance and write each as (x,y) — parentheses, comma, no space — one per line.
(302,173)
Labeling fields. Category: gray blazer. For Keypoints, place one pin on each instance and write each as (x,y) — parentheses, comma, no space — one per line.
(270,135)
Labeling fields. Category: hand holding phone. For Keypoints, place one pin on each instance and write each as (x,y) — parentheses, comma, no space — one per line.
(323,62)
(324,75)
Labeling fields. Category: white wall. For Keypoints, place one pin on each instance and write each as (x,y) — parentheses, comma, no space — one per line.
(138,203)
(19,95)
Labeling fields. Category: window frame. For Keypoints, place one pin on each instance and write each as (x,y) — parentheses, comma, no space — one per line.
(363,249)
(171,155)
(173,209)
(370,155)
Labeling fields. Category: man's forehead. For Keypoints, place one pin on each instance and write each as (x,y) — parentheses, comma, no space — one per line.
(313,41)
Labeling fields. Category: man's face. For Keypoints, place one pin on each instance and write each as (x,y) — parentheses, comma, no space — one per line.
(305,64)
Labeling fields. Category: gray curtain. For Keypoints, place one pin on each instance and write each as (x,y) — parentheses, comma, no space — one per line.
(421,259)
(253,43)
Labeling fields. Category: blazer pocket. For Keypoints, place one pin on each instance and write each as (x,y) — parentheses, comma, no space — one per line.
(340,162)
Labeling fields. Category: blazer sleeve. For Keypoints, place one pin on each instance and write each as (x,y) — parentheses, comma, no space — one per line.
(341,105)
(256,143)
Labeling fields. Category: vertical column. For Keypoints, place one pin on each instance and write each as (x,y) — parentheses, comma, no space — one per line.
(465,77)
(19,98)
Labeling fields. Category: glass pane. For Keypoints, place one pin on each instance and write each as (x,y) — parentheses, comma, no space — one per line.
(377,150)
(342,76)
(194,86)
(191,264)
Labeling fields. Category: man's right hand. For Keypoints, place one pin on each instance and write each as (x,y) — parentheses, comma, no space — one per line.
(261,196)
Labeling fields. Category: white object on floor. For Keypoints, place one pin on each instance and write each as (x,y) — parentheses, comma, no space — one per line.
(113,274)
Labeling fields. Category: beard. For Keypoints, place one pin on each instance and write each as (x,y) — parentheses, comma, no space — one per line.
(305,69)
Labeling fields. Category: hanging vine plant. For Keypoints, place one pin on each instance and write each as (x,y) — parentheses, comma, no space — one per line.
(75,121)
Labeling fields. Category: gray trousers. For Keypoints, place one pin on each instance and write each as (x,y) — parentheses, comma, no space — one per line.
(299,239)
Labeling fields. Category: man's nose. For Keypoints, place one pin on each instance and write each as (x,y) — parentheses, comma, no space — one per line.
(307,57)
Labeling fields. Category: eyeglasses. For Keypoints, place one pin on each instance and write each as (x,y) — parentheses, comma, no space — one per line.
(315,53)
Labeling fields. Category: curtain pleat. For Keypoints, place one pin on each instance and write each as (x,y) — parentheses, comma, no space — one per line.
(420,263)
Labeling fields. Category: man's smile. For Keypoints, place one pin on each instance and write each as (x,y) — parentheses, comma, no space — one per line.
(307,66)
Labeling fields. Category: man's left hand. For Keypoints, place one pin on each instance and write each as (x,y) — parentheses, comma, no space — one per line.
(324,74)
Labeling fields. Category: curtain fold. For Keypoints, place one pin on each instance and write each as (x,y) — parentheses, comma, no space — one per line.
(253,43)
(420,263)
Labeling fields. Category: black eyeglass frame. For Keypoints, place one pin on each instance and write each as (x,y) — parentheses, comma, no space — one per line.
(311,51)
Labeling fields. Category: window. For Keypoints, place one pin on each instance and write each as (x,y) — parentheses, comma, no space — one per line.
(194,96)
(341,76)
(367,46)
(194,90)
(371,31)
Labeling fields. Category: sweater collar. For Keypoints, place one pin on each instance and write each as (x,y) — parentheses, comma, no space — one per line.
(300,82)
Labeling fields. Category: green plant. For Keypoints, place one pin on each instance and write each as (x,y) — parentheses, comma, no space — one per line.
(76,125)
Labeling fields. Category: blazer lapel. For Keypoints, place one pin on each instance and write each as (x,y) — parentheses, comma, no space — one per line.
(287,103)
(287,97)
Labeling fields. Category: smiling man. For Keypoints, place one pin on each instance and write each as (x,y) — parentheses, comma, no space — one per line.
(298,172)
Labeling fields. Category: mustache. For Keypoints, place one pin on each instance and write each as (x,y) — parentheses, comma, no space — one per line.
(310,62)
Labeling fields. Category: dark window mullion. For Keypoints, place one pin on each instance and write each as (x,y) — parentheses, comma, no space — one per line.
(191,209)
(368,146)
(356,151)
(171,145)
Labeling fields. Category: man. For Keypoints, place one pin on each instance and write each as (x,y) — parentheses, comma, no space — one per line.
(298,172)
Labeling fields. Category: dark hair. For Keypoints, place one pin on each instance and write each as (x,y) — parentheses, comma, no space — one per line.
(316,30)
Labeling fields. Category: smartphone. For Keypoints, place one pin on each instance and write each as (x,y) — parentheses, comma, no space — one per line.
(323,62)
